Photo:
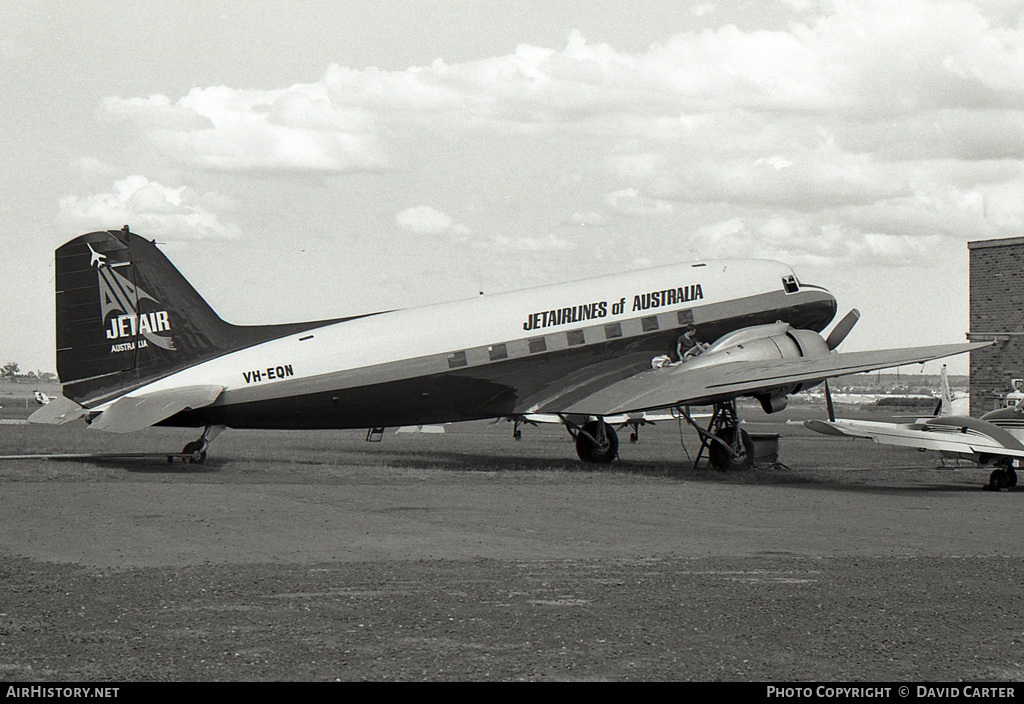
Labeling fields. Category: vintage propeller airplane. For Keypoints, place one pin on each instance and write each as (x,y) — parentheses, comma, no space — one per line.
(138,346)
(993,439)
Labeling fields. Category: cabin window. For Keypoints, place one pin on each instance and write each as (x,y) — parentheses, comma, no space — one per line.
(497,352)
(538,344)
(790,284)
(649,323)
(685,317)
(457,359)
(612,330)
(575,337)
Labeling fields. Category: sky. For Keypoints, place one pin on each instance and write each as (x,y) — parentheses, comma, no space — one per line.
(309,159)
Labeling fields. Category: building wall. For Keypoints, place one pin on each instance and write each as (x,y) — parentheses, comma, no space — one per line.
(997,306)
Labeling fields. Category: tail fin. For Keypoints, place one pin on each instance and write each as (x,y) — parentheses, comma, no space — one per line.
(946,402)
(126,316)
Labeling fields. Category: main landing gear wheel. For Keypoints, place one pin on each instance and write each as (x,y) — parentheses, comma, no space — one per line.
(597,442)
(740,457)
(1002,478)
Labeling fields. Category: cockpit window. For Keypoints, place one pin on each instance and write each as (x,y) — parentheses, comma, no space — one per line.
(790,284)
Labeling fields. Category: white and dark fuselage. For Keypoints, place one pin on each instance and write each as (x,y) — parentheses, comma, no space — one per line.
(489,356)
(138,346)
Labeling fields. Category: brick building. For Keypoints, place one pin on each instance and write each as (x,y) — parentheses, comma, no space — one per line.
(997,312)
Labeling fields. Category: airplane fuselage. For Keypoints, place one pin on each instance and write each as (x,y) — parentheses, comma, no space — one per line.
(493,355)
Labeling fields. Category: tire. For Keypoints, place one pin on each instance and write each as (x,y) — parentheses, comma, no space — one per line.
(598,454)
(723,460)
(998,480)
(195,449)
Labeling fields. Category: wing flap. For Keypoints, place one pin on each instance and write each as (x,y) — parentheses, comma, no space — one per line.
(131,413)
(680,386)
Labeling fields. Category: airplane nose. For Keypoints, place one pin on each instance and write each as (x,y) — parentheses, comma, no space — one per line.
(823,304)
(833,305)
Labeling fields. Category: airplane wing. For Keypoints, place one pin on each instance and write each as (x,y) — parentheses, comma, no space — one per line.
(130,413)
(679,385)
(956,434)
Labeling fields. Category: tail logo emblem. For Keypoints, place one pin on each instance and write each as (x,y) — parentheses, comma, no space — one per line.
(119,303)
(97,259)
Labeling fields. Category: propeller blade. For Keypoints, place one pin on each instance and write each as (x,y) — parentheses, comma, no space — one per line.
(842,329)
(828,403)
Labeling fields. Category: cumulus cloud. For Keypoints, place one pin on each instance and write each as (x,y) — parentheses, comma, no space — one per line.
(149,207)
(809,181)
(548,243)
(873,57)
(876,57)
(424,220)
(801,241)
(630,202)
(589,219)
(855,123)
(292,129)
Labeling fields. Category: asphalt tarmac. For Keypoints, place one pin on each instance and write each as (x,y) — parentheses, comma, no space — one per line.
(469,556)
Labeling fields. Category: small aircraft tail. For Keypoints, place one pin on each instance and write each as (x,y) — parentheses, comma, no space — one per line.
(126,316)
(945,405)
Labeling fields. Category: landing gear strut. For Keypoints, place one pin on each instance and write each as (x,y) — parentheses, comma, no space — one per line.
(196,450)
(729,446)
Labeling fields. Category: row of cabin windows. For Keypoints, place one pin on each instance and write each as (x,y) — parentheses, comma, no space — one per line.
(575,338)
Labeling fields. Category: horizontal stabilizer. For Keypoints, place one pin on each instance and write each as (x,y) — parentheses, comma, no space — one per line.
(131,413)
(58,411)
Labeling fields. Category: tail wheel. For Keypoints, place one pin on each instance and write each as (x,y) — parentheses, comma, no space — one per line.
(738,458)
(597,444)
(197,451)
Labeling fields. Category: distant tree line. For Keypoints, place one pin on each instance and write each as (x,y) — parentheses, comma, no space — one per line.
(11,371)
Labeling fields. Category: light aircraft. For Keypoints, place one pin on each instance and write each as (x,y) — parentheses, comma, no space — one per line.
(993,439)
(948,404)
(138,346)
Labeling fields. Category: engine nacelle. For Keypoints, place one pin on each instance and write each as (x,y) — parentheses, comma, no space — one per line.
(773,404)
(763,342)
(774,341)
